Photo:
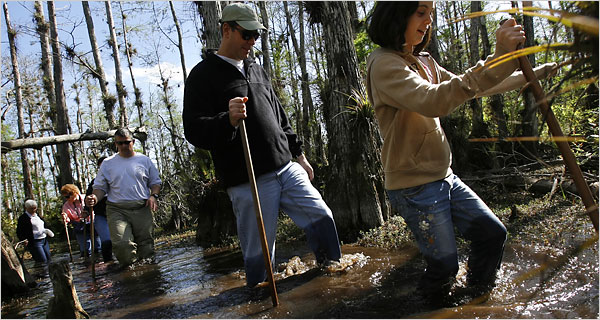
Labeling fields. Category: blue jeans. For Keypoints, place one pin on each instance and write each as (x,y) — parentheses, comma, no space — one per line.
(432,211)
(84,241)
(102,230)
(290,189)
(40,250)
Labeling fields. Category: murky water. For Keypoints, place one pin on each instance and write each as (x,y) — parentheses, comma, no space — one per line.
(535,282)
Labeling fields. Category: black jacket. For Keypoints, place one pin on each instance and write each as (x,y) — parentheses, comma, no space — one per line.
(208,89)
(100,207)
(25,228)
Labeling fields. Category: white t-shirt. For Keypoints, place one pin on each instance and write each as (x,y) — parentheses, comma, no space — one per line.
(127,179)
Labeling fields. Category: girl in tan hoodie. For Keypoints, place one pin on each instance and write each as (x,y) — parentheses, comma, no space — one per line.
(409,92)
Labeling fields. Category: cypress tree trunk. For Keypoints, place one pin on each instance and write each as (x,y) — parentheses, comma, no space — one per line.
(42,29)
(27,183)
(307,103)
(496,104)
(179,40)
(478,155)
(354,188)
(210,11)
(138,94)
(63,157)
(107,99)
(121,93)
(264,38)
(529,114)
(8,208)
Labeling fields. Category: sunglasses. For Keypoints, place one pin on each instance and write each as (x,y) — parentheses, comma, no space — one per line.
(247,34)
(123,142)
(68,195)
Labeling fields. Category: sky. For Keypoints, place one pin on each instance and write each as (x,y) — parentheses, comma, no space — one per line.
(73,31)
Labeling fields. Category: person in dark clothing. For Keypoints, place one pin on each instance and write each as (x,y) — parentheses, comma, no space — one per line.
(31,228)
(226,87)
(101,222)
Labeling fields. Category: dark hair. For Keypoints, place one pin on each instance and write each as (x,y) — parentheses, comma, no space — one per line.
(387,25)
(232,25)
(123,133)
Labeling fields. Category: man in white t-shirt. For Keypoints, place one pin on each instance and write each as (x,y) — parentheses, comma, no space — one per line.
(132,184)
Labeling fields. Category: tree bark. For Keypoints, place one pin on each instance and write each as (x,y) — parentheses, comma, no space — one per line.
(354,188)
(15,278)
(210,11)
(39,142)
(264,39)
(8,208)
(496,102)
(139,103)
(65,303)
(48,78)
(478,155)
(180,40)
(433,47)
(307,103)
(27,183)
(121,93)
(107,99)
(529,114)
(64,156)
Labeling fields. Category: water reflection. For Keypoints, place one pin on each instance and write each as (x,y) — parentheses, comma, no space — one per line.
(186,282)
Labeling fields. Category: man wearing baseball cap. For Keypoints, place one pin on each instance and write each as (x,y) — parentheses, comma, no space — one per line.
(228,86)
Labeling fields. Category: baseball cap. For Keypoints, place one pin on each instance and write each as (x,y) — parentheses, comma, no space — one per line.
(243,15)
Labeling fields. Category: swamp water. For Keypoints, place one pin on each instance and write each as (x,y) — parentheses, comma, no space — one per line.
(534,282)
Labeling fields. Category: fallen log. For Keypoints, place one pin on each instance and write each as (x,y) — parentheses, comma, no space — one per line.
(39,142)
(65,303)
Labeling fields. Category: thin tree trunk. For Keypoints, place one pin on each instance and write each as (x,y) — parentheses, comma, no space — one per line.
(304,127)
(478,154)
(107,99)
(433,47)
(179,40)
(64,157)
(295,103)
(354,190)
(41,188)
(121,93)
(137,92)
(6,194)
(27,183)
(529,115)
(36,164)
(264,39)
(317,138)
(479,127)
(48,78)
(496,103)
(308,113)
(82,159)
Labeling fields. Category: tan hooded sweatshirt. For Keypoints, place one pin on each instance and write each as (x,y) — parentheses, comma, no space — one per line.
(408,105)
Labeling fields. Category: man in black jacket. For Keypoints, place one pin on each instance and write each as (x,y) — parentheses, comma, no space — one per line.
(226,87)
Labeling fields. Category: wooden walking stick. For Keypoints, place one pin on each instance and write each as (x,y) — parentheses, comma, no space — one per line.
(92,237)
(259,219)
(68,240)
(554,127)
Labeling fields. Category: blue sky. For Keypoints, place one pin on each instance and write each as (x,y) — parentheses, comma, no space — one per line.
(73,31)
